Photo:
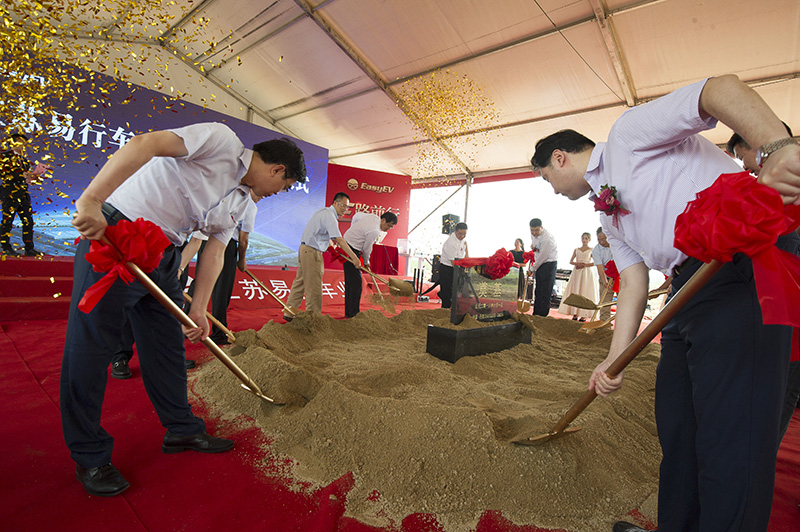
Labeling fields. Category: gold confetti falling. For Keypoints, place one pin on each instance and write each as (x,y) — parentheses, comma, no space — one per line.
(56,295)
(48,42)
(49,48)
(455,111)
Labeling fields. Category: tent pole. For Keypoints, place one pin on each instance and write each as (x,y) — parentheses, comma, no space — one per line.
(437,207)
(466,197)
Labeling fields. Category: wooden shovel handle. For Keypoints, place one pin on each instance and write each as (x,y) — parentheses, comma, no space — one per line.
(214,320)
(692,286)
(286,307)
(176,311)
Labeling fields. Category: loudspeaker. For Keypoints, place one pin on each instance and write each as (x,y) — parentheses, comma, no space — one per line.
(449,222)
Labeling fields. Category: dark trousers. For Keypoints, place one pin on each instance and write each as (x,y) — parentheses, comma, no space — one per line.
(223,287)
(543,292)
(719,390)
(17,203)
(91,341)
(446,282)
(353,284)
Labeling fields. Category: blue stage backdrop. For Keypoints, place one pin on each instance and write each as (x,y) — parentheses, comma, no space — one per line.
(78,142)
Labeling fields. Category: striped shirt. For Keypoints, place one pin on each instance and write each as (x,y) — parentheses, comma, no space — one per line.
(658,163)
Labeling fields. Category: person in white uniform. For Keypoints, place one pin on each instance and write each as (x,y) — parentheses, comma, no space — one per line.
(363,233)
(722,372)
(543,266)
(601,256)
(198,177)
(320,230)
(454,248)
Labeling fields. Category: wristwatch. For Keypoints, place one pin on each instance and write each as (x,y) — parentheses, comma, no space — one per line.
(767,149)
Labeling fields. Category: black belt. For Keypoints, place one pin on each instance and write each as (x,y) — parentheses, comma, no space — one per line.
(113,214)
(691,261)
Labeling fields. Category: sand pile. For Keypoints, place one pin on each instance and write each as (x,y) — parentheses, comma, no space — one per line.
(429,436)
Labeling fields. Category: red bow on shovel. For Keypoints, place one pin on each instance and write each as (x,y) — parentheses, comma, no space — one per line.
(122,250)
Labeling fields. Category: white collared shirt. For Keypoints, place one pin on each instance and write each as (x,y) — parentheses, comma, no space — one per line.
(179,194)
(323,225)
(245,221)
(602,255)
(658,163)
(453,249)
(545,249)
(363,233)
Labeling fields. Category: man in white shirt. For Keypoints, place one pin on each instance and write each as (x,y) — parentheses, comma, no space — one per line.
(543,266)
(320,229)
(722,372)
(601,255)
(177,179)
(363,233)
(454,248)
(235,257)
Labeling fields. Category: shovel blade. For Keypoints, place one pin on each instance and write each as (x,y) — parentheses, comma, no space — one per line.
(536,440)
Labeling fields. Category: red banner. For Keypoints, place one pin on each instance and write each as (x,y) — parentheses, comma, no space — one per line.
(373,192)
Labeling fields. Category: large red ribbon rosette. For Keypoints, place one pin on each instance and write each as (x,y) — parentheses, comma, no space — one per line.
(612,273)
(528,256)
(140,242)
(495,267)
(738,214)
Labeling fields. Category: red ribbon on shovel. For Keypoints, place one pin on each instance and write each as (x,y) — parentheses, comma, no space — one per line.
(738,214)
(141,242)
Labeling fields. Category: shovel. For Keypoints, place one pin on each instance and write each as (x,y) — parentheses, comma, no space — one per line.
(247,383)
(523,305)
(577,300)
(291,310)
(692,286)
(605,292)
(215,321)
(396,287)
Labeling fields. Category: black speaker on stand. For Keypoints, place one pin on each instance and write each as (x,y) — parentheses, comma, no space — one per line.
(449,222)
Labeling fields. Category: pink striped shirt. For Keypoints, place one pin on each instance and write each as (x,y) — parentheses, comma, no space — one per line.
(658,163)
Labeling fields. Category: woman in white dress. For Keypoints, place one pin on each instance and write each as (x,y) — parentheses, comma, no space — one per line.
(581,281)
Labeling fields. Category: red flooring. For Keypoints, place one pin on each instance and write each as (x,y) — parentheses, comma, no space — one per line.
(190,491)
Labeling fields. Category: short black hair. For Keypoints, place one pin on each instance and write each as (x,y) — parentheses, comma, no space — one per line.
(284,151)
(460,226)
(340,195)
(737,140)
(600,230)
(15,136)
(389,217)
(567,140)
(536,222)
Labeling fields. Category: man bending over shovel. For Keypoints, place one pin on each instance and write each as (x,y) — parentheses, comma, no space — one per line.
(175,179)
(722,372)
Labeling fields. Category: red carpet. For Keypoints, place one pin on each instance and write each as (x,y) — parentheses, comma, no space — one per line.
(190,491)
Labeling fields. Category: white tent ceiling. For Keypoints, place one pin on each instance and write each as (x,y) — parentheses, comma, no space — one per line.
(340,73)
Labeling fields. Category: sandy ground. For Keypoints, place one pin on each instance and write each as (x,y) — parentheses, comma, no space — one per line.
(424,435)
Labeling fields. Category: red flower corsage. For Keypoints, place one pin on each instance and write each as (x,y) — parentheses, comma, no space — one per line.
(607,203)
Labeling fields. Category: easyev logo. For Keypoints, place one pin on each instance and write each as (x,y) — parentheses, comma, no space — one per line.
(352,184)
(379,189)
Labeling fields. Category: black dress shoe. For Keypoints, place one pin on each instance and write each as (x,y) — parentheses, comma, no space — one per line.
(10,252)
(190,364)
(30,252)
(103,481)
(624,526)
(203,442)
(121,370)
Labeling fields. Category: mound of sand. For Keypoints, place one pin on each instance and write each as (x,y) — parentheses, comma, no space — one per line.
(428,436)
